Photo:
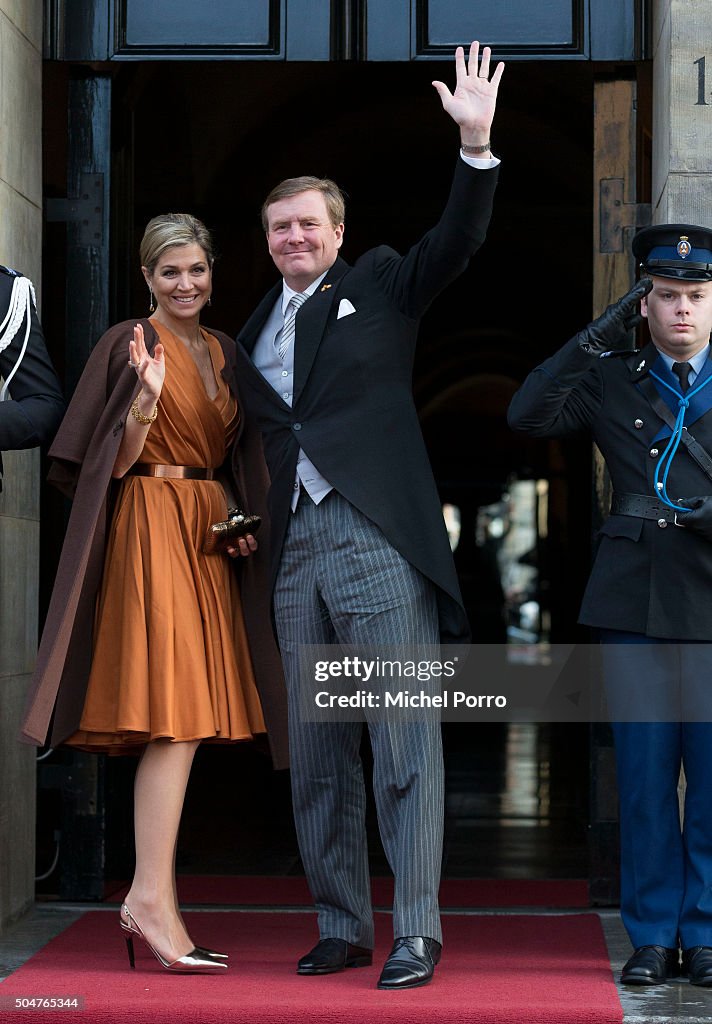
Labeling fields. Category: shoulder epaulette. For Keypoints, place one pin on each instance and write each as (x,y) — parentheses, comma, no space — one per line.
(9,271)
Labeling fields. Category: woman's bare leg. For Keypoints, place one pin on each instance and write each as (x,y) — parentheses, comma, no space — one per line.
(159,793)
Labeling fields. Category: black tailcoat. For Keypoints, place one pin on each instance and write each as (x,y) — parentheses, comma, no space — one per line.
(353,412)
(33,415)
(645,578)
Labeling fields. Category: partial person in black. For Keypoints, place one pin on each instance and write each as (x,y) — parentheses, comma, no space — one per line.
(31,403)
(650,413)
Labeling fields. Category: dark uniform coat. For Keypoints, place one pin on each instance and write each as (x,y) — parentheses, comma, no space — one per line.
(353,412)
(33,415)
(646,578)
(85,451)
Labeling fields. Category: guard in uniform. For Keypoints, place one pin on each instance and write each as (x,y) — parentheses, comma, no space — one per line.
(650,590)
(27,377)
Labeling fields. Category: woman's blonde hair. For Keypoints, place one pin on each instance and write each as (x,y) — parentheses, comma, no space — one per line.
(171,229)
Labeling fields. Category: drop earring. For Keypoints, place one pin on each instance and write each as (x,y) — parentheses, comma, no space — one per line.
(152,306)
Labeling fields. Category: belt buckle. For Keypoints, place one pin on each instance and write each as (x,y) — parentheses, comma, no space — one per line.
(674,517)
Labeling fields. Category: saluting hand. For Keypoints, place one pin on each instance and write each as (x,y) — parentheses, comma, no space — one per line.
(472,103)
(610,331)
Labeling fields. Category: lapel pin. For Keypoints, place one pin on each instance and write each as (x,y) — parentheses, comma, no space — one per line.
(325,286)
(640,366)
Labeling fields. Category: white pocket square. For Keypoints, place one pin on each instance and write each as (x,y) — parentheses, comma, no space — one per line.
(345,308)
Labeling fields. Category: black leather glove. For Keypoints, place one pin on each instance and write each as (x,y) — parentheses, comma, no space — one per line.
(700,519)
(610,330)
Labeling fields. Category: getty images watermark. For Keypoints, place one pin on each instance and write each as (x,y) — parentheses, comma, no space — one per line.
(503,683)
(386,672)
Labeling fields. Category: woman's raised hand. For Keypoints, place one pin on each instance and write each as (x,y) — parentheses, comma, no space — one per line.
(150,369)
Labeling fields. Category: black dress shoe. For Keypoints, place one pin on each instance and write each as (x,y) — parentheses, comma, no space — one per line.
(332,955)
(651,965)
(411,962)
(697,963)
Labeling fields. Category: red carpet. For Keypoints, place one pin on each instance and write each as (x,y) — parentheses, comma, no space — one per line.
(495,970)
(465,893)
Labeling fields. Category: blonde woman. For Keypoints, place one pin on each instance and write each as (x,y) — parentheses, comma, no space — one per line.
(150,425)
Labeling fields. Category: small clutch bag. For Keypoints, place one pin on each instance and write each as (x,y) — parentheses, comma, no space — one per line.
(221,536)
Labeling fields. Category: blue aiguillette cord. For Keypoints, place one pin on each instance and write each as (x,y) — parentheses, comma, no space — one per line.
(674,443)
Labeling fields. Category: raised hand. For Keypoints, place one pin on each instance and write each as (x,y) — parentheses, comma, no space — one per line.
(611,330)
(473,102)
(150,369)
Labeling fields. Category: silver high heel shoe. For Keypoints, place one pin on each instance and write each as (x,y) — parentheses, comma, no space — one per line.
(198,961)
(204,951)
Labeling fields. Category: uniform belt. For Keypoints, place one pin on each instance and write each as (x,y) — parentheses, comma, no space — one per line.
(171,472)
(643,506)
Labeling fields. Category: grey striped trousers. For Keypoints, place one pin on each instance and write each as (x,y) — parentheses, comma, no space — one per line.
(341,582)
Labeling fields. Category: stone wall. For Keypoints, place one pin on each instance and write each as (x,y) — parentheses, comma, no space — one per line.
(21,247)
(682,111)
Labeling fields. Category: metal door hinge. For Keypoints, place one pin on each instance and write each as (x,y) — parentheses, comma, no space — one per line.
(86,209)
(615,214)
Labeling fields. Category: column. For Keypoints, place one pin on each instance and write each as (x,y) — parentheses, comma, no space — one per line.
(682,111)
(20,247)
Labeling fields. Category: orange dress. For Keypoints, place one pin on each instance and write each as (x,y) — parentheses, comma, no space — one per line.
(170,656)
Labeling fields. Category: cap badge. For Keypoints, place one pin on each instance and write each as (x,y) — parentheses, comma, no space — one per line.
(683,247)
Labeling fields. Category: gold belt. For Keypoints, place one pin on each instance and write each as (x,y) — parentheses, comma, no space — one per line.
(171,472)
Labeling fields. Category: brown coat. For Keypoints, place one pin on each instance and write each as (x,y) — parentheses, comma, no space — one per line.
(84,453)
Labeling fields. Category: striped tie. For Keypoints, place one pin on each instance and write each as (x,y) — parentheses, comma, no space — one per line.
(287,336)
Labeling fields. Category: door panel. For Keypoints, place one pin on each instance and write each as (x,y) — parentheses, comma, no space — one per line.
(315,30)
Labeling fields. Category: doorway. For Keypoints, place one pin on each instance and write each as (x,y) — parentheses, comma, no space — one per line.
(212,138)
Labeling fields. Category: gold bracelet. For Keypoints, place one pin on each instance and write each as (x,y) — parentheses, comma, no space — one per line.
(138,415)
